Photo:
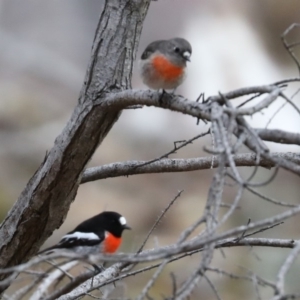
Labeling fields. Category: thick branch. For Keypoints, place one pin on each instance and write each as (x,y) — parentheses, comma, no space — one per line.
(44,203)
(278,136)
(177,165)
(178,103)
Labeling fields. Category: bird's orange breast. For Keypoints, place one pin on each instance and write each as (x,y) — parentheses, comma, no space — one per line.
(165,69)
(111,243)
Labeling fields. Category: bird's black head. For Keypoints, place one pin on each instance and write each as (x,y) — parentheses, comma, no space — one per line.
(106,221)
(113,222)
(109,221)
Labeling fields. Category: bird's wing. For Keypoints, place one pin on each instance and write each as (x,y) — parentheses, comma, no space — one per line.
(76,239)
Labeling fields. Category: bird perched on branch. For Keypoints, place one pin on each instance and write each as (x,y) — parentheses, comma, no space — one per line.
(99,234)
(163,63)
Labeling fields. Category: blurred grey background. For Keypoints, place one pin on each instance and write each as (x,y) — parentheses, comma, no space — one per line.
(44,52)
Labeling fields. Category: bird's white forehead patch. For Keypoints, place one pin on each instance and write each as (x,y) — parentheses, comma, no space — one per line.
(81,235)
(122,221)
(186,54)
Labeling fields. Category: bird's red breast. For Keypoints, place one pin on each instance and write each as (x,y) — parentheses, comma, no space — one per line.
(165,69)
(111,243)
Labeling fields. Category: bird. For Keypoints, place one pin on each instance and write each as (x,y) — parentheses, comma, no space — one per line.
(99,234)
(163,63)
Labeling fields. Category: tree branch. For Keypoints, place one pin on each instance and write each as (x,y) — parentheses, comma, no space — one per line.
(278,136)
(178,165)
(44,203)
(111,274)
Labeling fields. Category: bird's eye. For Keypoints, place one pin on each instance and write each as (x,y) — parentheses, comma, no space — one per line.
(176,50)
(146,54)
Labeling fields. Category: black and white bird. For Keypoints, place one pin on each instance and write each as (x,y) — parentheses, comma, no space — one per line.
(99,234)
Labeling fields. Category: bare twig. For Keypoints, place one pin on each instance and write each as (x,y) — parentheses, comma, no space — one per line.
(158,220)
(289,47)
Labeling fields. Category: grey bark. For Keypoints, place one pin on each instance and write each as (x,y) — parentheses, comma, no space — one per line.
(165,165)
(45,201)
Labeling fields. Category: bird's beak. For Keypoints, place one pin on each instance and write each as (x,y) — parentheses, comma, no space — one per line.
(127,227)
(187,55)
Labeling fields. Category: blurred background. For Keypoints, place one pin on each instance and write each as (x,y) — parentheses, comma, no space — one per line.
(44,51)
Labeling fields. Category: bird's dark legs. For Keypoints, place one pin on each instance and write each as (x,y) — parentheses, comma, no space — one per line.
(98,269)
(163,94)
(160,100)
